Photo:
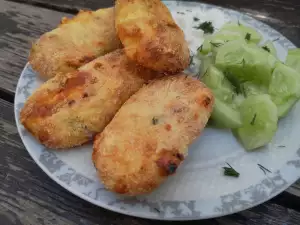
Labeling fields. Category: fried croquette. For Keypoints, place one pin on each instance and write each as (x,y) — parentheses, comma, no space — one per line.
(74,43)
(149,136)
(150,35)
(69,109)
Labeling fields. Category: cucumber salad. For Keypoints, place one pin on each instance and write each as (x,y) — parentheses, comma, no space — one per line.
(253,89)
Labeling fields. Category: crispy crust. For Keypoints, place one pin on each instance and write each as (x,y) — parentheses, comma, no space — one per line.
(74,43)
(150,35)
(148,138)
(69,109)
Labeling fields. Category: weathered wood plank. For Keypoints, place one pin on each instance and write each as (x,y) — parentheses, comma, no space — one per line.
(20,25)
(29,197)
(71,6)
(281,15)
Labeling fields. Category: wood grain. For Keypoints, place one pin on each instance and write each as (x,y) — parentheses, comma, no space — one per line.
(29,197)
(280,14)
(20,25)
(70,6)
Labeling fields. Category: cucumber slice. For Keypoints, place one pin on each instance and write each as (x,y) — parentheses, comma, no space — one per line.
(246,62)
(284,108)
(259,118)
(216,81)
(214,41)
(224,116)
(269,47)
(255,37)
(284,88)
(222,37)
(293,59)
(205,47)
(238,100)
(206,61)
(251,88)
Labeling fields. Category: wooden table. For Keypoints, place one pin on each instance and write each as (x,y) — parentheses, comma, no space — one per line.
(27,195)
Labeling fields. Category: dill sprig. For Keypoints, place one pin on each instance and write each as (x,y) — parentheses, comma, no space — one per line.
(154,120)
(266,48)
(206,26)
(248,36)
(199,49)
(157,210)
(229,171)
(253,119)
(216,44)
(264,169)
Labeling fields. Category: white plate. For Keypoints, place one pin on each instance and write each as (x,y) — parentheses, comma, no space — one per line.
(198,190)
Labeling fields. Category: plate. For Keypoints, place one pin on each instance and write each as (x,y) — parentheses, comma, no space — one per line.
(198,190)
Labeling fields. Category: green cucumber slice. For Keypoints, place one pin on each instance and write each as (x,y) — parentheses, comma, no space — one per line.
(206,61)
(259,118)
(251,88)
(224,116)
(216,81)
(293,59)
(284,108)
(245,62)
(205,48)
(269,47)
(284,88)
(255,36)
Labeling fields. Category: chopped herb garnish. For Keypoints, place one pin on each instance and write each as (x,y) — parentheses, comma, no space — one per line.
(253,120)
(199,49)
(242,90)
(281,146)
(182,13)
(243,62)
(198,75)
(154,120)
(248,36)
(266,48)
(196,19)
(239,23)
(207,27)
(234,81)
(191,59)
(276,39)
(229,171)
(205,73)
(216,44)
(264,169)
(189,10)
(157,210)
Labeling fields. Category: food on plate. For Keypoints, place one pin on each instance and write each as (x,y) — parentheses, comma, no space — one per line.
(69,109)
(247,62)
(150,35)
(206,26)
(252,88)
(149,136)
(225,115)
(284,88)
(293,59)
(229,32)
(247,32)
(259,118)
(269,47)
(74,43)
